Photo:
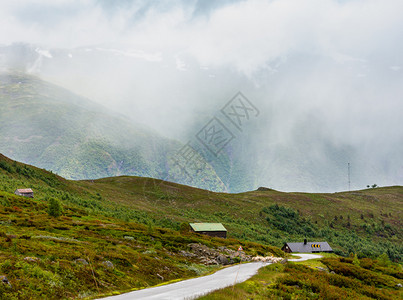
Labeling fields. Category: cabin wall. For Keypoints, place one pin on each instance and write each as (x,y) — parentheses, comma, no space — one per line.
(220,234)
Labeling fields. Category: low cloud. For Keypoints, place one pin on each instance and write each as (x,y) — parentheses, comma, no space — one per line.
(173,64)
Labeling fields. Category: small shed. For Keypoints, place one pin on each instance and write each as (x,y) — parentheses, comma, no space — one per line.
(307,247)
(211,229)
(25,192)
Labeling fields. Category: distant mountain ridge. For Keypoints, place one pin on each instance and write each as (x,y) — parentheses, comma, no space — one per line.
(288,147)
(52,128)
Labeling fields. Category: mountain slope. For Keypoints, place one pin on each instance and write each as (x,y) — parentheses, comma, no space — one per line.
(83,253)
(45,125)
(367,222)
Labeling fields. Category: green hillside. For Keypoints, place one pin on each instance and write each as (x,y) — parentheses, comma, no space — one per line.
(366,222)
(47,126)
(85,252)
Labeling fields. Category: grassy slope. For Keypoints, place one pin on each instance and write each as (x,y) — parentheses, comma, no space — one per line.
(373,215)
(368,222)
(39,253)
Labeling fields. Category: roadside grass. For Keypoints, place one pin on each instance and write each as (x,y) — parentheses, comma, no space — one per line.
(253,288)
(363,279)
(316,262)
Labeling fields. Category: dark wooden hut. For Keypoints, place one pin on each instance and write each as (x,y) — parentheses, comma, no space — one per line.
(25,192)
(307,247)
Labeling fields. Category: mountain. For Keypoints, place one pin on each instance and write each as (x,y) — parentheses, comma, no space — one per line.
(50,127)
(302,139)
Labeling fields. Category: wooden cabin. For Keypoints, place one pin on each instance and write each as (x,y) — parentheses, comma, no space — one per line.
(211,229)
(307,247)
(25,192)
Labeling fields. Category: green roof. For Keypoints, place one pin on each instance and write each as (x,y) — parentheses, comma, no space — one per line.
(207,227)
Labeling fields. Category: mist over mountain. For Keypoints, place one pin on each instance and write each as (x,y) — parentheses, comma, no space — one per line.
(50,127)
(326,95)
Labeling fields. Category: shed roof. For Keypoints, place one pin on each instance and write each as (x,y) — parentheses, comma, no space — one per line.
(207,227)
(25,191)
(310,247)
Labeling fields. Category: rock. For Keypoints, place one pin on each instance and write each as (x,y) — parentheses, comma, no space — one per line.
(187,254)
(222,260)
(128,237)
(399,285)
(321,269)
(108,264)
(161,277)
(81,261)
(332,272)
(31,259)
(284,261)
(4,280)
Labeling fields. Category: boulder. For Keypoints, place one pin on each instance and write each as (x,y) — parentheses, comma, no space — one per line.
(4,280)
(81,261)
(222,260)
(284,261)
(31,259)
(108,264)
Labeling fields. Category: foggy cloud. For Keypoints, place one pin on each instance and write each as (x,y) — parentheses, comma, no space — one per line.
(325,74)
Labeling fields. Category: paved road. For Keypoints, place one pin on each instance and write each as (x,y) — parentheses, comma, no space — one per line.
(191,288)
(305,257)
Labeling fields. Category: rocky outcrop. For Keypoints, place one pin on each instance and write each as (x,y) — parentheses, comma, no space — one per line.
(222,255)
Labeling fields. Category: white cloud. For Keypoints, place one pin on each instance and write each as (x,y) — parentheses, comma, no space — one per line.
(180,64)
(45,53)
(152,57)
(247,35)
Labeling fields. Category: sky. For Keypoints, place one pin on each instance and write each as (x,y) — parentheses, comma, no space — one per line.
(247,35)
(173,64)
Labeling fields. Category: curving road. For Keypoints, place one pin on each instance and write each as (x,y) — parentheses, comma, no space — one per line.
(305,256)
(196,287)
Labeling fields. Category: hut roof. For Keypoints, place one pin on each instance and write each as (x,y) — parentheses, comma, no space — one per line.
(207,227)
(309,247)
(25,191)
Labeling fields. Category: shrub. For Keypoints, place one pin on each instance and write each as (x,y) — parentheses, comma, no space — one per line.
(55,208)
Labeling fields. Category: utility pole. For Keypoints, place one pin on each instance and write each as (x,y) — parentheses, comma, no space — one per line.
(349,183)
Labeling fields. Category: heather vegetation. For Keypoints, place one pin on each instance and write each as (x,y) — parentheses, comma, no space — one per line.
(49,253)
(339,278)
(86,238)
(365,222)
(66,243)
